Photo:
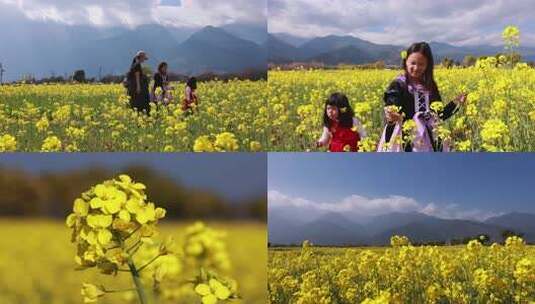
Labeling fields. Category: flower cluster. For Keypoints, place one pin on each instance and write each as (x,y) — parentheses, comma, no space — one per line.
(399,241)
(226,142)
(51,144)
(204,247)
(495,135)
(105,217)
(109,223)
(213,289)
(8,143)
(114,227)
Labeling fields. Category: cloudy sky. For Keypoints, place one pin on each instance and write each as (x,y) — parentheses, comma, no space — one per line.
(180,13)
(465,186)
(460,22)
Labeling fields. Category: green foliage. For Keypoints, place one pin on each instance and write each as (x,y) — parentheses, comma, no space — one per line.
(79,76)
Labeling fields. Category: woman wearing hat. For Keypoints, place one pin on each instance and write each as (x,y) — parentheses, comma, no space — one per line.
(138,84)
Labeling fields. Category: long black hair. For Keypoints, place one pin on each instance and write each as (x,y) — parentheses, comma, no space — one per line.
(429,77)
(192,83)
(161,65)
(345,111)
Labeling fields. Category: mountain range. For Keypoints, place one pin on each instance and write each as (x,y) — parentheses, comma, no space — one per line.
(47,48)
(332,50)
(335,229)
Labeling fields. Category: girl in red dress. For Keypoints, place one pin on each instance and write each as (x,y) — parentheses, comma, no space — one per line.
(342,131)
(190,97)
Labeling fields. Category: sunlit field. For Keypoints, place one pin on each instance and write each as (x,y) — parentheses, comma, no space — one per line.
(499,114)
(473,273)
(85,117)
(37,263)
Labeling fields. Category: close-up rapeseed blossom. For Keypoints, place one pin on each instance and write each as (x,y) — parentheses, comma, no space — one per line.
(114,227)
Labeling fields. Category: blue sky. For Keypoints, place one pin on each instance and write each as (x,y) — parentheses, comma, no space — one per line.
(180,13)
(234,175)
(459,22)
(474,186)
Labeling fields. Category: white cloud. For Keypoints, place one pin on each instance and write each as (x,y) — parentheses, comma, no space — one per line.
(461,22)
(190,13)
(203,12)
(95,12)
(278,199)
(376,206)
(361,206)
(454,211)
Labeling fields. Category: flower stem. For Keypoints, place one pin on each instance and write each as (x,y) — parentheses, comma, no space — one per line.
(150,262)
(135,246)
(137,282)
(119,290)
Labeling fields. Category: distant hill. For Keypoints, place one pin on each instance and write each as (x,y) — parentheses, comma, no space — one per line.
(347,54)
(333,43)
(333,50)
(115,53)
(45,48)
(378,224)
(213,49)
(336,229)
(280,51)
(279,224)
(291,39)
(256,33)
(517,222)
(329,229)
(434,229)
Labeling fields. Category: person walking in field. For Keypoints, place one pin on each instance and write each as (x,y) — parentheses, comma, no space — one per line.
(138,84)
(342,131)
(409,113)
(190,95)
(161,91)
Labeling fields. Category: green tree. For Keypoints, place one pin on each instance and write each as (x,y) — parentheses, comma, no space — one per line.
(507,233)
(79,76)
(469,60)
(447,62)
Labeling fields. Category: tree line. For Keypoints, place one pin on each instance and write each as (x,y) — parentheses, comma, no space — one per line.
(470,60)
(51,194)
(80,76)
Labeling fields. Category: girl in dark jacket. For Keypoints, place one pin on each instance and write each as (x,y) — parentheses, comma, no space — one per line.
(409,97)
(160,81)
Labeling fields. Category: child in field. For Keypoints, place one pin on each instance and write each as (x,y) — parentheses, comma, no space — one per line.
(409,97)
(342,131)
(190,97)
(161,83)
